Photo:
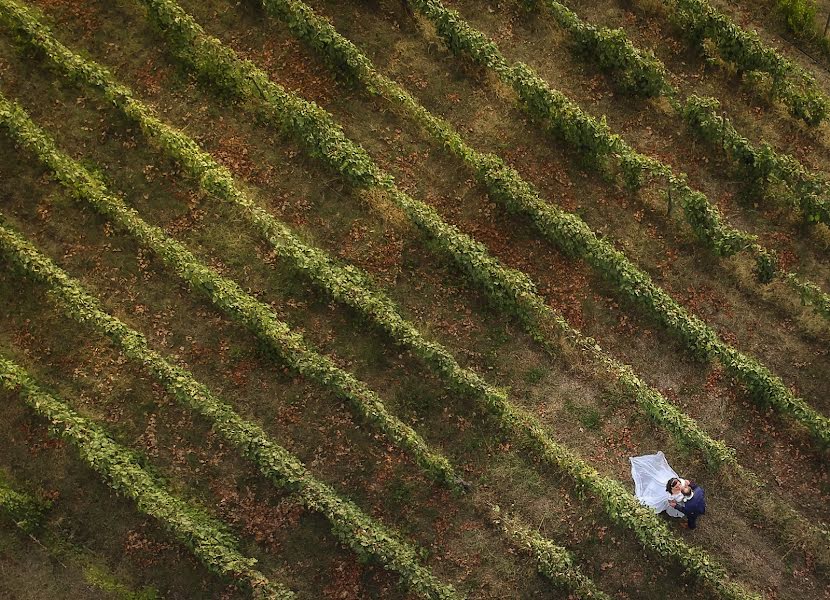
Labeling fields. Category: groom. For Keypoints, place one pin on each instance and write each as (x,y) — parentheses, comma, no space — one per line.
(693,503)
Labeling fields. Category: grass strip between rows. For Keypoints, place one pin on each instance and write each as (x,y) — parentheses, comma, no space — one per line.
(354,528)
(309,124)
(208,539)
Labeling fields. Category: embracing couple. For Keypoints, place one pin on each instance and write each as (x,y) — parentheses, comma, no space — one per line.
(659,487)
(686,498)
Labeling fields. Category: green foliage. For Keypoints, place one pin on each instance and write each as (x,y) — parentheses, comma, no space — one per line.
(642,73)
(355,529)
(345,285)
(100,578)
(225,294)
(810,294)
(24,510)
(534,375)
(699,21)
(553,561)
(573,236)
(591,419)
(635,71)
(505,185)
(590,137)
(759,164)
(800,15)
(315,130)
(120,467)
(530,306)
(352,526)
(221,67)
(515,291)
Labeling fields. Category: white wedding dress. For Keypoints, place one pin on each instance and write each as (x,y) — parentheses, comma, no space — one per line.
(651,473)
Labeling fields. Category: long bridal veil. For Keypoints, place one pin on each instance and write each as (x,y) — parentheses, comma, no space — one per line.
(650,473)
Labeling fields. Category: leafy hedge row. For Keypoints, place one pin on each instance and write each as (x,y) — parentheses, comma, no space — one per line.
(698,21)
(25,511)
(354,528)
(759,164)
(226,295)
(642,73)
(592,138)
(554,562)
(811,294)
(800,19)
(635,71)
(209,59)
(121,468)
(800,16)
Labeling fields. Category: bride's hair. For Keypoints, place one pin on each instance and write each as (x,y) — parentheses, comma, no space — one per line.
(671,483)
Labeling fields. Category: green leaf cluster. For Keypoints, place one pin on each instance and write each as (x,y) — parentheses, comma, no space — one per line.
(24,510)
(761,165)
(800,15)
(553,561)
(635,71)
(800,19)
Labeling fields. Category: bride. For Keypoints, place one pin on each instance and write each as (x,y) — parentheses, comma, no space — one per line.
(650,473)
(674,488)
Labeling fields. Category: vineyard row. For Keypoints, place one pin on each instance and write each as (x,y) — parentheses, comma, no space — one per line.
(573,236)
(640,72)
(121,468)
(365,536)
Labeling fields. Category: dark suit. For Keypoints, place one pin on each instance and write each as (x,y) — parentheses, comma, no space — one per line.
(694,506)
